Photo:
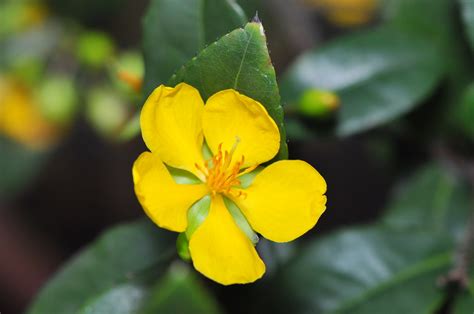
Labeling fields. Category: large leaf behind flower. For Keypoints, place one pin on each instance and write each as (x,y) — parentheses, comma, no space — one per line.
(114,261)
(390,267)
(126,271)
(239,60)
(175,31)
(379,75)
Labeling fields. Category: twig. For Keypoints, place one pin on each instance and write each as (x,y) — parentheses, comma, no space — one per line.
(459,274)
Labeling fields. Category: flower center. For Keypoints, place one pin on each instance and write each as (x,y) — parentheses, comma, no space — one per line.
(222,174)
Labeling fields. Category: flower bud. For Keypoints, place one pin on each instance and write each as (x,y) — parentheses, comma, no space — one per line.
(57,99)
(106,111)
(318,103)
(182,246)
(95,49)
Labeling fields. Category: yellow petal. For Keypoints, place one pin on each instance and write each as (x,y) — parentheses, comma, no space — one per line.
(229,115)
(171,123)
(163,200)
(221,251)
(285,200)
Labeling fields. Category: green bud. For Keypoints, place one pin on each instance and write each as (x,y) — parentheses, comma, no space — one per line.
(106,112)
(182,246)
(318,103)
(127,72)
(94,49)
(57,98)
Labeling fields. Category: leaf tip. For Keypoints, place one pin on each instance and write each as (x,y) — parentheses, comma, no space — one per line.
(256,18)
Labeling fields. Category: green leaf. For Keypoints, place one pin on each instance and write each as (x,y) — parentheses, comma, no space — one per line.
(175,31)
(432,199)
(18,167)
(467,12)
(464,115)
(108,267)
(379,75)
(364,270)
(465,304)
(416,17)
(177,292)
(239,60)
(180,292)
(123,299)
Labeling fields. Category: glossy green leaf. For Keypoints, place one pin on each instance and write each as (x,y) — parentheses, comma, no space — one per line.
(467,12)
(175,31)
(364,270)
(122,299)
(180,292)
(119,258)
(432,199)
(416,17)
(239,60)
(379,75)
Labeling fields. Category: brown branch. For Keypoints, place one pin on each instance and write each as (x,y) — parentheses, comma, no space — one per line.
(459,274)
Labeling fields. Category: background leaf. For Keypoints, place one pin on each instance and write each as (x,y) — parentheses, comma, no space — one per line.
(379,75)
(465,301)
(122,299)
(239,60)
(467,11)
(169,42)
(362,269)
(107,268)
(180,292)
(431,199)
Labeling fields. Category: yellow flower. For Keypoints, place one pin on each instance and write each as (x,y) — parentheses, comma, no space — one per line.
(347,13)
(20,116)
(281,202)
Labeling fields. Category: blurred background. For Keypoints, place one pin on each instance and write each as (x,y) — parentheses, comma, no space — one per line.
(70,83)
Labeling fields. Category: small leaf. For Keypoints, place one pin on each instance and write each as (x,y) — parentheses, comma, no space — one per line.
(175,31)
(379,75)
(105,269)
(239,60)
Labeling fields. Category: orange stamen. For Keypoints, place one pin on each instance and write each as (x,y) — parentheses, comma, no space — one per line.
(221,173)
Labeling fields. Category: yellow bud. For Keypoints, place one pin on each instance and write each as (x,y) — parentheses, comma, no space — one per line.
(20,116)
(346,13)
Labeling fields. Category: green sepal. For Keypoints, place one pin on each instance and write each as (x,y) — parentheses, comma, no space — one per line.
(240,220)
(197,213)
(247,179)
(182,247)
(181,176)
